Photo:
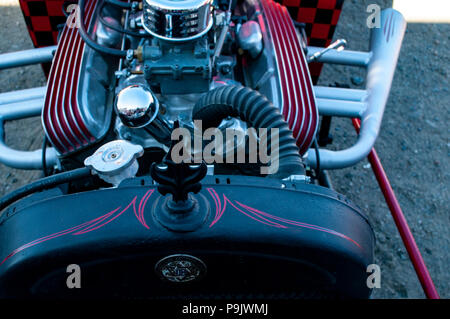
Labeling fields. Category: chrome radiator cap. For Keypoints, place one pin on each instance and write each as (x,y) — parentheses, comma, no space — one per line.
(177,20)
(115,161)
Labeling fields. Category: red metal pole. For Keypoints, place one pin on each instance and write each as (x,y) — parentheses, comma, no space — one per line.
(400,222)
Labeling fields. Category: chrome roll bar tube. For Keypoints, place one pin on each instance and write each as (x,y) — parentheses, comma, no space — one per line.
(19,105)
(26,57)
(369,104)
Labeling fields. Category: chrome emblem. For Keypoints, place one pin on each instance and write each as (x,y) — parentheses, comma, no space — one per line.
(180,268)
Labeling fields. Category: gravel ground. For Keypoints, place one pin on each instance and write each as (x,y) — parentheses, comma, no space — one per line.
(413,146)
(24,134)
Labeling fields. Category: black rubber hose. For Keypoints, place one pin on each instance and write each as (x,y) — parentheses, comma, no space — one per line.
(90,42)
(118,3)
(118,29)
(258,112)
(44,153)
(316,147)
(42,184)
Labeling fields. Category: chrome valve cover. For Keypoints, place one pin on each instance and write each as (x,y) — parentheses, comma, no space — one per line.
(177,20)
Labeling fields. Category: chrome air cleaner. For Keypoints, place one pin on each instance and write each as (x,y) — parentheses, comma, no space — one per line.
(177,20)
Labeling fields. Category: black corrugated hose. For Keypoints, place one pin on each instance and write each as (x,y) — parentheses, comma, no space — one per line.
(42,184)
(258,112)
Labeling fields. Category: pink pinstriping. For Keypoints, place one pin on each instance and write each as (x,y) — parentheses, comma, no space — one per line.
(265,218)
(91,225)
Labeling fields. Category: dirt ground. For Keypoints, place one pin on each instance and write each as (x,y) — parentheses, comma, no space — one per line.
(414,143)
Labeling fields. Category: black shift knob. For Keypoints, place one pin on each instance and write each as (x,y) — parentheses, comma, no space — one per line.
(178,179)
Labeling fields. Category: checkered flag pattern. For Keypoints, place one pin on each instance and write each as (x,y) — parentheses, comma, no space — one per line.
(320,18)
(42,18)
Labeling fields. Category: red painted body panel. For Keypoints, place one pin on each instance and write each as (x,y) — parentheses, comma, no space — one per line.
(43,18)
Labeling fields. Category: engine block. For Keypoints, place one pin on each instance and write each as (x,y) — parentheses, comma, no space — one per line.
(186,48)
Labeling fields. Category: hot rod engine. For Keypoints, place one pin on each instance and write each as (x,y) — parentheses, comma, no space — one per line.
(126,78)
(176,51)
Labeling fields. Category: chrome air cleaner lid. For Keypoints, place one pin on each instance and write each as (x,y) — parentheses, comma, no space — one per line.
(177,20)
